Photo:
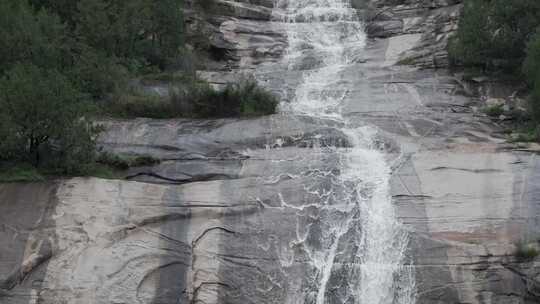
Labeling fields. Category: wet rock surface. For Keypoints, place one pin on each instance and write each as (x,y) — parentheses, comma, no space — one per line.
(426,25)
(233,214)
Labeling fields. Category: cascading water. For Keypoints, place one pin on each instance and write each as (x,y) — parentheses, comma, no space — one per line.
(325,36)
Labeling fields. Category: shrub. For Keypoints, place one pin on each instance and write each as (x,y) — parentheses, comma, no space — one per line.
(470,44)
(207,5)
(139,104)
(494,111)
(42,114)
(122,162)
(254,100)
(531,69)
(493,33)
(191,97)
(245,98)
(20,172)
(526,252)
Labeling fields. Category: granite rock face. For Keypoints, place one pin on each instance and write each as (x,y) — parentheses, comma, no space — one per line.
(427,25)
(233,214)
(237,34)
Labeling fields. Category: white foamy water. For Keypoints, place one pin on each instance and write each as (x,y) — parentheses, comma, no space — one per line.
(323,35)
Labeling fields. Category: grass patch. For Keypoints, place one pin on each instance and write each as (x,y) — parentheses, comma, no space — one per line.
(525,252)
(103,171)
(15,173)
(194,98)
(106,166)
(527,132)
(123,162)
(494,111)
(150,79)
(137,103)
(406,61)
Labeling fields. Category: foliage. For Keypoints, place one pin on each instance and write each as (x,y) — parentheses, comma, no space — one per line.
(500,34)
(196,98)
(60,59)
(245,98)
(526,252)
(26,36)
(207,5)
(42,113)
(494,33)
(252,99)
(123,162)
(494,111)
(145,29)
(66,9)
(531,69)
(20,172)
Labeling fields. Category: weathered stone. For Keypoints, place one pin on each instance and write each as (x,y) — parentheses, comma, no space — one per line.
(233,213)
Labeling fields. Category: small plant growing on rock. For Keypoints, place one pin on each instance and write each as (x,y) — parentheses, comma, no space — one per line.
(494,111)
(121,162)
(525,252)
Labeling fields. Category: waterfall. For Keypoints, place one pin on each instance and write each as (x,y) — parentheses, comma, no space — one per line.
(324,38)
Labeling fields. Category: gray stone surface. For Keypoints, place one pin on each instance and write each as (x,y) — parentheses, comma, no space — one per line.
(246,231)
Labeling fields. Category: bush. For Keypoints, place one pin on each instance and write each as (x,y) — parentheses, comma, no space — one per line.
(121,162)
(494,111)
(531,69)
(246,98)
(206,5)
(29,36)
(195,98)
(526,252)
(136,103)
(254,100)
(42,114)
(493,33)
(20,172)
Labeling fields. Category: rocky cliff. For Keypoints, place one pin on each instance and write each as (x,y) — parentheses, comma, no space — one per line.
(223,218)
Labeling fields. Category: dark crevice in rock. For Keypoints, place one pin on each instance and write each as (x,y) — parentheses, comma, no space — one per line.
(412,196)
(532,285)
(467,170)
(198,289)
(27,266)
(202,235)
(180,181)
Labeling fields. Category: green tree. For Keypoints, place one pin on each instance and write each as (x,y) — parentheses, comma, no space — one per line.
(142,29)
(494,33)
(471,43)
(41,110)
(531,69)
(66,9)
(166,29)
(94,25)
(26,36)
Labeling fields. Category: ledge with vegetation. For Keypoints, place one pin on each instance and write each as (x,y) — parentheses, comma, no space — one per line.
(502,38)
(64,63)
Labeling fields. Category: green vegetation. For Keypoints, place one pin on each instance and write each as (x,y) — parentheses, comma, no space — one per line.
(494,111)
(63,62)
(531,69)
(195,98)
(526,252)
(501,36)
(526,132)
(42,114)
(19,173)
(406,61)
(494,33)
(106,165)
(124,162)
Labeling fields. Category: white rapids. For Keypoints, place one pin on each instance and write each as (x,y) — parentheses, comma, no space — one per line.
(327,34)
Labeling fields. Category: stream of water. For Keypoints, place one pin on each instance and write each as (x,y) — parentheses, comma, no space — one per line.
(324,37)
